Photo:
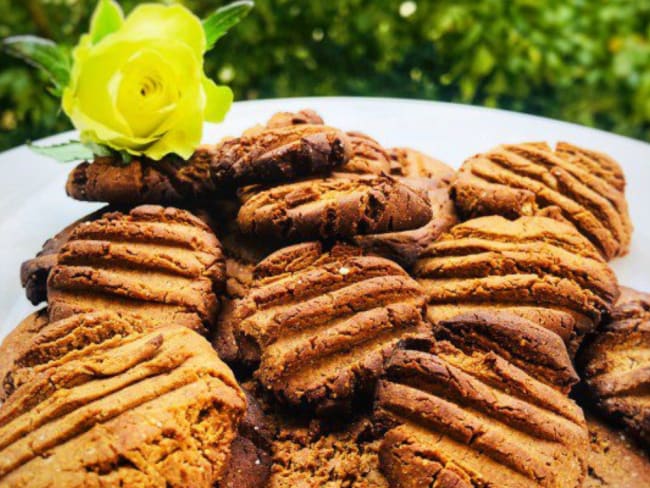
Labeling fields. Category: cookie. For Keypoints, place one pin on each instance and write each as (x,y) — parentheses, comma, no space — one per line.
(614,461)
(161,264)
(462,419)
(15,343)
(301,117)
(586,187)
(276,154)
(145,409)
(432,177)
(522,342)
(367,156)
(616,364)
(34,272)
(335,207)
(345,457)
(410,163)
(318,325)
(537,267)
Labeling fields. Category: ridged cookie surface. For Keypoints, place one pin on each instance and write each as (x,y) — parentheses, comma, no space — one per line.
(34,272)
(142,409)
(616,364)
(339,206)
(538,351)
(320,324)
(466,419)
(586,187)
(162,264)
(537,267)
(267,155)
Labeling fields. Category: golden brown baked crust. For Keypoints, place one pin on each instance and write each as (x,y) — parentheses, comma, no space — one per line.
(367,156)
(616,364)
(536,267)
(586,188)
(17,341)
(34,272)
(138,409)
(162,264)
(339,206)
(538,351)
(462,419)
(319,324)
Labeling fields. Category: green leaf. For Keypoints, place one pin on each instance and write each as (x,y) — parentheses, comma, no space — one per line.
(65,152)
(217,25)
(107,18)
(44,54)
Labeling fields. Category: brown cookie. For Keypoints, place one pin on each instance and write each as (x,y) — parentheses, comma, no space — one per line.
(461,419)
(73,336)
(270,155)
(536,350)
(285,119)
(135,409)
(614,461)
(336,207)
(161,264)
(432,177)
(301,117)
(586,187)
(616,364)
(312,458)
(34,272)
(16,342)
(410,163)
(319,324)
(367,156)
(523,265)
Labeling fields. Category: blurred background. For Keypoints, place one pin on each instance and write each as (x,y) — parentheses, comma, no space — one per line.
(584,61)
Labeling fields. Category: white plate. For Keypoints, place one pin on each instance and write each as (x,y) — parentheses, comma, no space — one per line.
(33,204)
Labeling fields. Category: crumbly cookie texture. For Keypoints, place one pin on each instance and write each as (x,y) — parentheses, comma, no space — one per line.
(268,155)
(537,267)
(17,342)
(614,460)
(616,364)
(135,409)
(315,458)
(339,206)
(472,418)
(161,264)
(318,325)
(586,188)
(430,176)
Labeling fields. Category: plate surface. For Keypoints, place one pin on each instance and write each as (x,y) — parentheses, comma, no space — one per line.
(33,204)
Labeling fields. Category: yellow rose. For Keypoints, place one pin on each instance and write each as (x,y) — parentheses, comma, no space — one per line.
(140,87)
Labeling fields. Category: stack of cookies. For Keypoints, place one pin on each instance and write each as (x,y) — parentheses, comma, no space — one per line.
(302,307)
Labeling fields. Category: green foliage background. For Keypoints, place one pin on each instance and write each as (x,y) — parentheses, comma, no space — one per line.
(586,61)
